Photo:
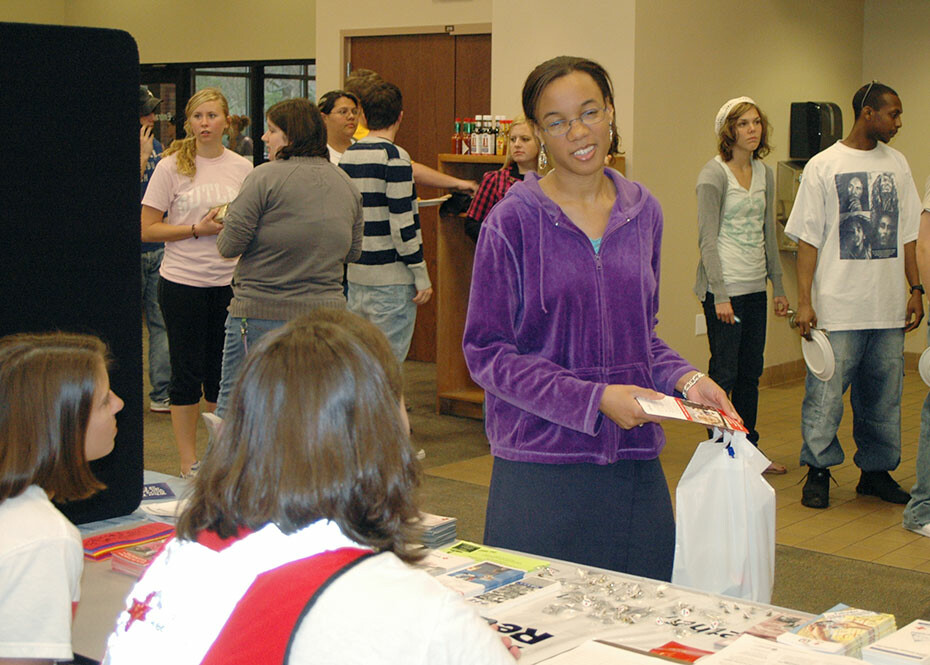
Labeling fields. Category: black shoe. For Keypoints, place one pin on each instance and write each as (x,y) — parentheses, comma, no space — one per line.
(882,485)
(816,492)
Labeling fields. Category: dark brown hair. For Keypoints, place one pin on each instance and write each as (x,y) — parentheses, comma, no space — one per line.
(47,387)
(727,138)
(872,95)
(314,433)
(329,99)
(547,72)
(301,122)
(382,104)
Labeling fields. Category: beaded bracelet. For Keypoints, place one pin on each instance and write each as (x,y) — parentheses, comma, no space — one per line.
(690,384)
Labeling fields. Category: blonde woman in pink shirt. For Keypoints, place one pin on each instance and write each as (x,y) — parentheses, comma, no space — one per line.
(195,177)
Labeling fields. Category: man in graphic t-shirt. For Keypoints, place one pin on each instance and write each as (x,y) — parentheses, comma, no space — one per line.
(855,220)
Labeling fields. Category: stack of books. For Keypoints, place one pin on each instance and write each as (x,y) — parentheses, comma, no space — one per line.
(910,645)
(102,545)
(437,530)
(841,630)
(134,560)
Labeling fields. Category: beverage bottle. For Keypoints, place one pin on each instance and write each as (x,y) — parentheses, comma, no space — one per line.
(503,137)
(466,137)
(476,136)
(495,135)
(457,137)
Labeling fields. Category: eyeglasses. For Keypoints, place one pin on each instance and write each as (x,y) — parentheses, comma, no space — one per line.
(347,111)
(590,118)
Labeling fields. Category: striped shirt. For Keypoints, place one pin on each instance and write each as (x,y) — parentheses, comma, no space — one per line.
(392,247)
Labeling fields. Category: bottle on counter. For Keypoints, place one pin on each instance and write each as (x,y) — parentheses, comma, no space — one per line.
(457,137)
(476,136)
(503,137)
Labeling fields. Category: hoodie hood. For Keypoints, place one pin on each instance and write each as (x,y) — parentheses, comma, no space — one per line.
(631,197)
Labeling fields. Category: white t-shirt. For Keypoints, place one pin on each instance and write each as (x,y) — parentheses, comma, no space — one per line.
(740,242)
(334,156)
(927,195)
(858,208)
(195,261)
(41,560)
(379,611)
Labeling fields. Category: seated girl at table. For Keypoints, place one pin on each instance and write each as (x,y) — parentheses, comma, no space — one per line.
(522,156)
(57,412)
(293,545)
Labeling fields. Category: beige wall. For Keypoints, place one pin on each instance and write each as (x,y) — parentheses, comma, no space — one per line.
(333,16)
(527,32)
(894,53)
(690,58)
(182,31)
(33,11)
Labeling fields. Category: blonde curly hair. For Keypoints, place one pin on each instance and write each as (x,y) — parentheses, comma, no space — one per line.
(186,148)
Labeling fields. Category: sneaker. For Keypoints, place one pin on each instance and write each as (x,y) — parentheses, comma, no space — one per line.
(160,406)
(195,467)
(816,492)
(922,530)
(882,485)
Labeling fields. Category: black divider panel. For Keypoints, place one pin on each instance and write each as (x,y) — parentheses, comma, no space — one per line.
(69,214)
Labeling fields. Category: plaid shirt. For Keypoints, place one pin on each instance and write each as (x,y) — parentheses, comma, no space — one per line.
(494,185)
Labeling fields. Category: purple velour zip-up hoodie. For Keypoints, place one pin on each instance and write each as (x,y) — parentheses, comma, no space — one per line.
(551,323)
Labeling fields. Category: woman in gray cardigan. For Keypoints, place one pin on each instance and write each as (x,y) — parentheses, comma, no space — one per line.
(296,221)
(736,235)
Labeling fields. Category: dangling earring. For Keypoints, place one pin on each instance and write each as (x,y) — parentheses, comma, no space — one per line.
(542,162)
(611,143)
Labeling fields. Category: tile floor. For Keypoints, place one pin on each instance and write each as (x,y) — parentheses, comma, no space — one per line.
(863,528)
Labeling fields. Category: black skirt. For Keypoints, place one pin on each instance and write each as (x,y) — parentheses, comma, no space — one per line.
(617,516)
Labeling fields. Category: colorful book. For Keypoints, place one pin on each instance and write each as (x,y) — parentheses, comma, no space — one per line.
(102,545)
(841,630)
(479,578)
(134,560)
(478,552)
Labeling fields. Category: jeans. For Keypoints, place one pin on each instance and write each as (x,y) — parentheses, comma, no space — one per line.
(391,308)
(872,361)
(917,511)
(736,353)
(159,362)
(241,335)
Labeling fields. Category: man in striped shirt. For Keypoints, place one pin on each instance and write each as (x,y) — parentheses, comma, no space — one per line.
(390,279)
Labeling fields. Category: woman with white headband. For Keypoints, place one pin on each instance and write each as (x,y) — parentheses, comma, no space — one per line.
(736,235)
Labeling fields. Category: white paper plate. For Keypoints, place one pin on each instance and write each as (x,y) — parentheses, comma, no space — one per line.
(818,354)
(923,366)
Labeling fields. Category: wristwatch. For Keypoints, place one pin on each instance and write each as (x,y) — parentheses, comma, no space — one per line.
(918,287)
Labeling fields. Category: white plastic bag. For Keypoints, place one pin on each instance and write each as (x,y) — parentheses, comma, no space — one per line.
(725,522)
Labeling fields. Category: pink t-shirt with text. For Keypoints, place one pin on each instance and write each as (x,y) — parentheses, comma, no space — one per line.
(195,261)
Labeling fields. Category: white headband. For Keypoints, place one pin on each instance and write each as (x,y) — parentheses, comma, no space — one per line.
(725,111)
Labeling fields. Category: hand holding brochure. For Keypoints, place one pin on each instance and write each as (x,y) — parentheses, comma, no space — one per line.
(682,409)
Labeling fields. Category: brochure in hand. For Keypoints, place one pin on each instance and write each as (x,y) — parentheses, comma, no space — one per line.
(682,409)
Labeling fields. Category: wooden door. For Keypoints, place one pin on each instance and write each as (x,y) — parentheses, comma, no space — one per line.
(440,75)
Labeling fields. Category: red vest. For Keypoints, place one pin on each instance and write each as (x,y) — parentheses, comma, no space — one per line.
(261,627)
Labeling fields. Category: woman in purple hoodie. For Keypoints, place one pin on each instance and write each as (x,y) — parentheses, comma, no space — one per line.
(561,335)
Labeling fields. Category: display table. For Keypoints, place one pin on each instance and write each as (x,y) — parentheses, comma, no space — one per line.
(104,591)
(587,603)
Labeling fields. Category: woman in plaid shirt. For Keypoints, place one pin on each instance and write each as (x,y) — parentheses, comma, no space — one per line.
(521,158)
